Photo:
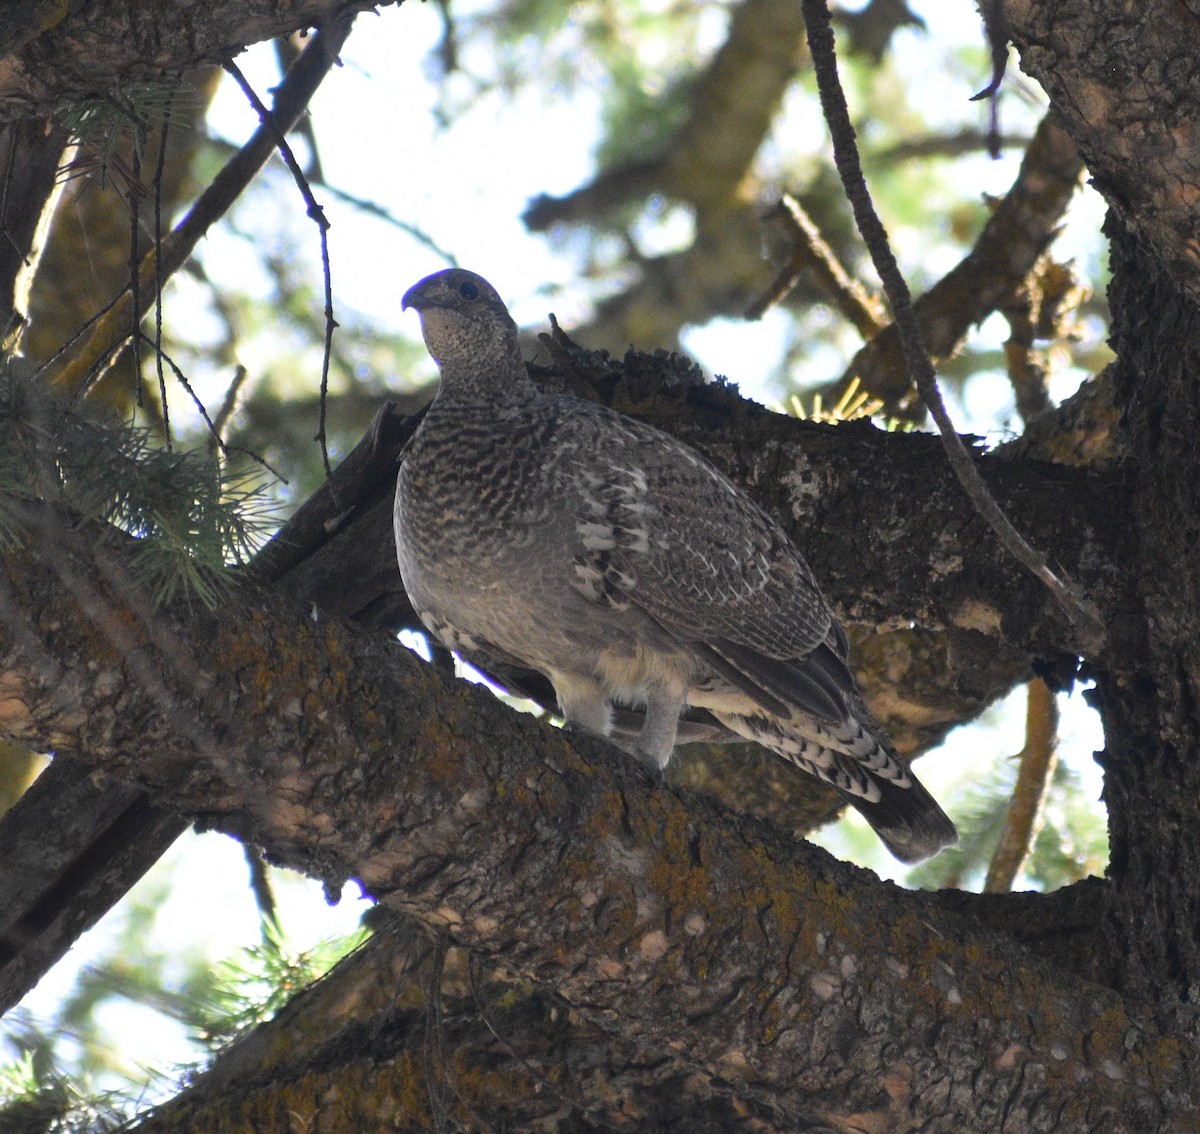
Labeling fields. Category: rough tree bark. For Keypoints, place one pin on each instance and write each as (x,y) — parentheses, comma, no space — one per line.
(81,49)
(709,940)
(1125,82)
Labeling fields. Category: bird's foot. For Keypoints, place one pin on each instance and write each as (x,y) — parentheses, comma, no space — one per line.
(653,763)
(650,761)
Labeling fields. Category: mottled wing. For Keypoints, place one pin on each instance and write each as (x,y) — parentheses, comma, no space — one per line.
(662,529)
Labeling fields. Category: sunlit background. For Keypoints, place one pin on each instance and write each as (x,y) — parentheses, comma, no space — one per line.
(447,165)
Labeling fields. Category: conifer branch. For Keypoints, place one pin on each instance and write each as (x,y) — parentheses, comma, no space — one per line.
(191,517)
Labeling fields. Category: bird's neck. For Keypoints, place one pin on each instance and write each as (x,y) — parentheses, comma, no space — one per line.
(495,385)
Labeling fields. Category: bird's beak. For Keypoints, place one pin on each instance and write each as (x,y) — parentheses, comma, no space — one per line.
(412,298)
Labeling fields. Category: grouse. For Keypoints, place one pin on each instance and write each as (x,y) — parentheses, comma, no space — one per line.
(550,533)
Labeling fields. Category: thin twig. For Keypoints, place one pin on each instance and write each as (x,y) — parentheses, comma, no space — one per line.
(104,315)
(1004,253)
(809,249)
(213,430)
(920,367)
(946,145)
(135,283)
(158,279)
(287,50)
(996,29)
(1033,779)
(181,378)
(995,25)
(91,351)
(318,216)
(228,406)
(10,167)
(379,212)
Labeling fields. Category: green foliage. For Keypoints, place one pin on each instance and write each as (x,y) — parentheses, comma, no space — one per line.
(251,986)
(190,516)
(70,1073)
(102,123)
(39,1099)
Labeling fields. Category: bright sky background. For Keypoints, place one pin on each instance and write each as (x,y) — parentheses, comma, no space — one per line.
(467,188)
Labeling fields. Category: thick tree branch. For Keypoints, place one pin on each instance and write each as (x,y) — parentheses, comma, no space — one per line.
(500,1053)
(108,45)
(59,874)
(1151,721)
(716,941)
(927,561)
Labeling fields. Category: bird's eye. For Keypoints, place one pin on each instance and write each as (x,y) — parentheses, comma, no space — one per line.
(468,291)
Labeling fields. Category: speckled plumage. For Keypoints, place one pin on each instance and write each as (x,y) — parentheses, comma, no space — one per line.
(562,536)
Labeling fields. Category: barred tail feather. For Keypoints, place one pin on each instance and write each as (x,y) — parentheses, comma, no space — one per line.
(907,820)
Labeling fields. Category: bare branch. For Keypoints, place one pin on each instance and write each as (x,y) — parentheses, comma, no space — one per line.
(1033,779)
(229,404)
(89,353)
(808,250)
(160,167)
(965,141)
(1004,254)
(379,212)
(317,215)
(1090,630)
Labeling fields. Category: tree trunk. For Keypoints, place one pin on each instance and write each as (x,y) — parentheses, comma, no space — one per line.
(1149,696)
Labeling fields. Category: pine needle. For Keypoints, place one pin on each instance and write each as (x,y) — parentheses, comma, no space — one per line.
(193,518)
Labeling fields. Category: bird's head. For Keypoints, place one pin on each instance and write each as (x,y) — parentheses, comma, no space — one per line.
(467,328)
